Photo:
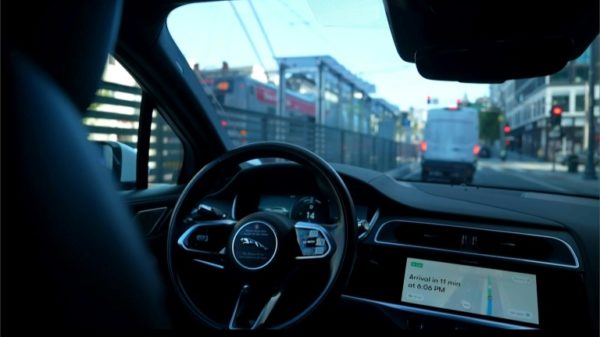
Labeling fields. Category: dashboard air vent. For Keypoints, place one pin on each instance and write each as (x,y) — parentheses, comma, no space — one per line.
(518,246)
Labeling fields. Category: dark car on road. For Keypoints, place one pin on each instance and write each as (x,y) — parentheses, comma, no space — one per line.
(485,152)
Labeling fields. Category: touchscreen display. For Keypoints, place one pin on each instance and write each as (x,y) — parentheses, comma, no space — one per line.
(476,290)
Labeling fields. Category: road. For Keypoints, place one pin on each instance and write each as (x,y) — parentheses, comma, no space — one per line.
(519,172)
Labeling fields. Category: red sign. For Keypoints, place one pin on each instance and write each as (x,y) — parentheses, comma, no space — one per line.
(269,96)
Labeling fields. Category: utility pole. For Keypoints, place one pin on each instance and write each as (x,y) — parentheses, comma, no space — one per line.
(501,137)
(590,171)
(281,103)
(320,111)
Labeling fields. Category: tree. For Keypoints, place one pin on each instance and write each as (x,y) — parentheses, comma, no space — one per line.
(489,124)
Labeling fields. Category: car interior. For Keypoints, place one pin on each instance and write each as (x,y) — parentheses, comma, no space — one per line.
(214,249)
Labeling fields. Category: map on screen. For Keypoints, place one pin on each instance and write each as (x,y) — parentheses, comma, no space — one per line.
(476,290)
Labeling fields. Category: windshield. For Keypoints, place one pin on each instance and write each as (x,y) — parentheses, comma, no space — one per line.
(326,75)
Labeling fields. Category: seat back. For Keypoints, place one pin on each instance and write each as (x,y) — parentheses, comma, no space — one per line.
(79,262)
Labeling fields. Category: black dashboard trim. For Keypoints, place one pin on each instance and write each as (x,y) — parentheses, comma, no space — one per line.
(439,314)
(387,243)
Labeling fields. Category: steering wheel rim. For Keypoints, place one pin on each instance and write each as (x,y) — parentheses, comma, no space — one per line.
(343,235)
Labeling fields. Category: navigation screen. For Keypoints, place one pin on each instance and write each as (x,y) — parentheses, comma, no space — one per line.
(482,291)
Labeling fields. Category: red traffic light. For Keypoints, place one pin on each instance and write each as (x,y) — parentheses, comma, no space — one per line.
(557,110)
(506,128)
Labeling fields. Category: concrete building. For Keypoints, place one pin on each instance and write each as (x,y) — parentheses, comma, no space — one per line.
(527,104)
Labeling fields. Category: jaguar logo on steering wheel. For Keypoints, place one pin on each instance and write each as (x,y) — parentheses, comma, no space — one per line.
(251,242)
(254,245)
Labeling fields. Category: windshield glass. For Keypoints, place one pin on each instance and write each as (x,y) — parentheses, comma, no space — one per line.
(326,75)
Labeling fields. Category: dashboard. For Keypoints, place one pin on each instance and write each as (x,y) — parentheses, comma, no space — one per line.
(296,196)
(450,274)
(439,257)
(307,208)
(431,258)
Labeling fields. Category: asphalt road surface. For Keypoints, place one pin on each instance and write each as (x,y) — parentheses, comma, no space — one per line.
(519,173)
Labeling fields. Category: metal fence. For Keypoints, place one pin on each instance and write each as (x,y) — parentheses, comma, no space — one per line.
(333,144)
(114,116)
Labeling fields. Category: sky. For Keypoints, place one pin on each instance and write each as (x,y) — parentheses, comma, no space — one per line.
(354,32)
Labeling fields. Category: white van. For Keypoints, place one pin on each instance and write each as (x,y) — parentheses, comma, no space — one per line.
(451,145)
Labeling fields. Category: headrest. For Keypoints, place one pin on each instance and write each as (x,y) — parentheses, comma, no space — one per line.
(70,40)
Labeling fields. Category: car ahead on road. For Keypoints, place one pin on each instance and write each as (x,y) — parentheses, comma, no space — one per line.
(450,145)
(316,238)
(485,152)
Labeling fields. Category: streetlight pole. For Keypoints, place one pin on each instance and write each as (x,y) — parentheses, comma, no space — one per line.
(590,171)
(281,103)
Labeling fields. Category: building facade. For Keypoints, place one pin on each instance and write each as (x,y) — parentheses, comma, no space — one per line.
(527,104)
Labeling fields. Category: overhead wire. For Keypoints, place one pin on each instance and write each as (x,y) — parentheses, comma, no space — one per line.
(256,53)
(306,22)
(262,29)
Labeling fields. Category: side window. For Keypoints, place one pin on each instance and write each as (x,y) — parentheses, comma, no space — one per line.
(166,153)
(113,120)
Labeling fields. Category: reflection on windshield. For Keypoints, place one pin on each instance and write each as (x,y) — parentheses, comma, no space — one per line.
(286,71)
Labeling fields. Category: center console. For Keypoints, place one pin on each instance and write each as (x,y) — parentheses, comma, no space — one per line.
(431,276)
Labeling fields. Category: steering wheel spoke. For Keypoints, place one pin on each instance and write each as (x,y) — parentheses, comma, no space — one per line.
(205,242)
(209,259)
(314,240)
(249,311)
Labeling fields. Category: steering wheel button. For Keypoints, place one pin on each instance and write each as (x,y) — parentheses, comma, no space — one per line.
(310,242)
(313,233)
(201,238)
(319,251)
(320,242)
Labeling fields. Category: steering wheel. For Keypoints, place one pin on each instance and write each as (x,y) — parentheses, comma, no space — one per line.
(263,270)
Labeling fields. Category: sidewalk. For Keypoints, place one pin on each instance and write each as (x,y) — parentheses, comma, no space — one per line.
(518,162)
(556,174)
(575,178)
(511,155)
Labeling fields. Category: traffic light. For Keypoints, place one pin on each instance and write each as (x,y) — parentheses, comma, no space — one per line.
(506,129)
(556,115)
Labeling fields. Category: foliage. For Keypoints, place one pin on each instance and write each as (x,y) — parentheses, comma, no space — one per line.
(489,124)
